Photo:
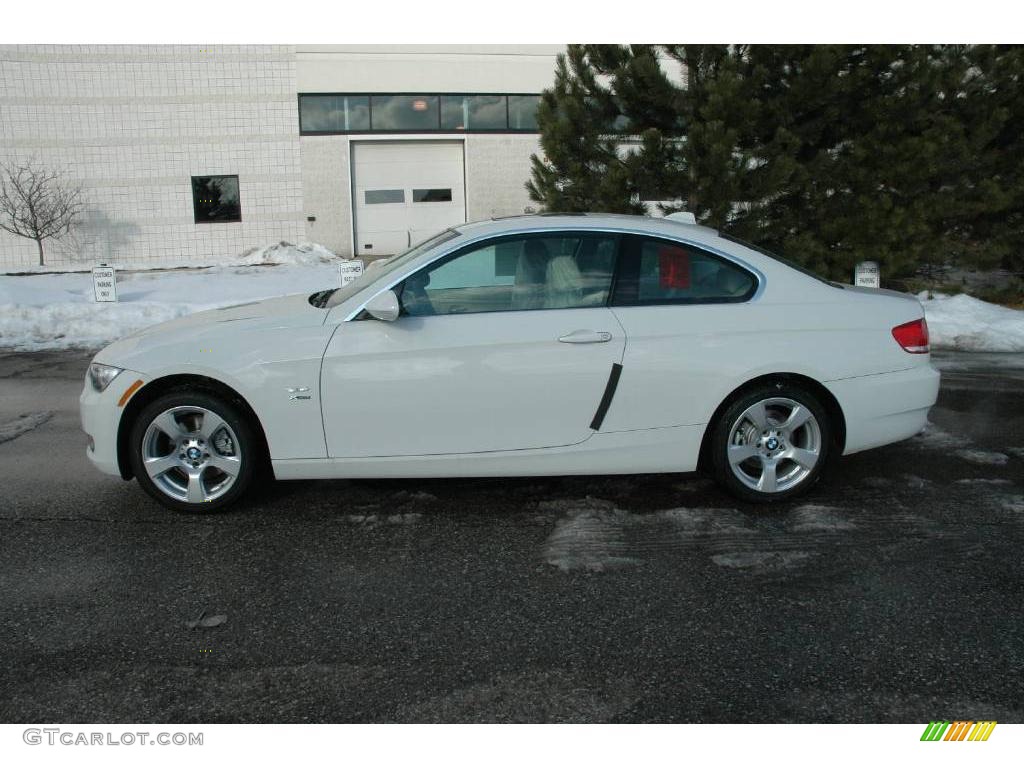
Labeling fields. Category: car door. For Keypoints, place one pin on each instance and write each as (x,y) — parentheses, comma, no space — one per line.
(691,329)
(506,344)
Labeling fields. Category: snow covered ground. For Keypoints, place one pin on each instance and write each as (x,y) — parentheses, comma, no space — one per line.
(275,253)
(968,324)
(55,311)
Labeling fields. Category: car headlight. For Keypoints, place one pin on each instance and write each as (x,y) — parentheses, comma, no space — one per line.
(101,375)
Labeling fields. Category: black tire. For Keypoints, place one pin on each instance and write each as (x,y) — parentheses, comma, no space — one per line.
(816,433)
(239,437)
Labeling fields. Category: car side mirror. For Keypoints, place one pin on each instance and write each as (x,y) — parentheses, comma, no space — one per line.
(384,306)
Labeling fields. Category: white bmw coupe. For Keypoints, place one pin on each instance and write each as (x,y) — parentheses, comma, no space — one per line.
(533,345)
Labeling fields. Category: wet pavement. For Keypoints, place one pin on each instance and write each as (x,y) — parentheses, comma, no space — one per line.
(892,593)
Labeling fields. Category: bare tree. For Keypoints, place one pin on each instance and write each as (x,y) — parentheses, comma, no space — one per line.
(37,202)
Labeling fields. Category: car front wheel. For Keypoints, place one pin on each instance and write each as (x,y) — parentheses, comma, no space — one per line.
(192,451)
(771,443)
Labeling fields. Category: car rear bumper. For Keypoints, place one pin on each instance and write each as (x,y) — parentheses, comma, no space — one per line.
(887,407)
(101,416)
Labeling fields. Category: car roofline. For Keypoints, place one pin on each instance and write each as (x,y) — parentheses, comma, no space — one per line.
(534,221)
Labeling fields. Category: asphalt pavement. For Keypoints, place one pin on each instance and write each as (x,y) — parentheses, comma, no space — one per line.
(892,593)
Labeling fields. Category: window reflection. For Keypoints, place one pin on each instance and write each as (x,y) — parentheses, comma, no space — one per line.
(522,112)
(334,113)
(474,113)
(216,198)
(349,113)
(404,113)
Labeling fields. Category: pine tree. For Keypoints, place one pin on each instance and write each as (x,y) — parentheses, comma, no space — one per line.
(849,143)
(985,222)
(829,154)
(618,127)
(716,107)
(647,117)
(580,169)
(901,148)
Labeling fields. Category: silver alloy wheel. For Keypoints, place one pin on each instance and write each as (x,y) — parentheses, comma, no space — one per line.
(774,445)
(191,454)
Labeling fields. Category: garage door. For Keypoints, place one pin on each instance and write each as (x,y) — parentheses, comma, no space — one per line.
(404,192)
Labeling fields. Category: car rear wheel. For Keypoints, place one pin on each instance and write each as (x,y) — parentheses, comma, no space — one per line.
(771,443)
(192,451)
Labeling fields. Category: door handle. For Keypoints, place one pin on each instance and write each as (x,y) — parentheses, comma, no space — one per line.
(586,337)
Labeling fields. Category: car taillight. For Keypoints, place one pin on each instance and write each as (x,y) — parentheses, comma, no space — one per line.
(912,336)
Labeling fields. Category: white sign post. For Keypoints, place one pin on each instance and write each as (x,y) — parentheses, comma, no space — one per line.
(350,269)
(867,275)
(104,283)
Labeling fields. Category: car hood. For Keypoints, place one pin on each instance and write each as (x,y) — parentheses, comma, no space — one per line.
(204,327)
(282,308)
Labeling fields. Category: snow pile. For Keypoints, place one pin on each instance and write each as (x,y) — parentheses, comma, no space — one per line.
(283,252)
(303,254)
(968,324)
(58,311)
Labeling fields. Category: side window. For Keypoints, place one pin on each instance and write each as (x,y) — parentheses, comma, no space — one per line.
(663,272)
(563,271)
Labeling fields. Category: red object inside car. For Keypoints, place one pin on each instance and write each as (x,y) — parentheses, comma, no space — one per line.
(673,267)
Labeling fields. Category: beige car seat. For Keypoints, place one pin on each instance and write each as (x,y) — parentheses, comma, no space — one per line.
(564,284)
(531,272)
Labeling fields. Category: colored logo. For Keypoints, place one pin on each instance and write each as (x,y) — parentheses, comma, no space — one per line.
(958,730)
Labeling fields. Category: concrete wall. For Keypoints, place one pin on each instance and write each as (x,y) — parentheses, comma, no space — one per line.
(425,68)
(327,191)
(497,169)
(133,124)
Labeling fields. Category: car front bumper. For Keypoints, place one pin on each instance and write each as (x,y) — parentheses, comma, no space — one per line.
(101,416)
(887,407)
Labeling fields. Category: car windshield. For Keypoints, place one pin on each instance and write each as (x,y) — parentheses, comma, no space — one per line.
(341,295)
(781,259)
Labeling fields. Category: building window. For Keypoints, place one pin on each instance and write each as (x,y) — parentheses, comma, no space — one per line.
(417,113)
(383,196)
(404,113)
(474,113)
(522,112)
(215,199)
(335,113)
(431,195)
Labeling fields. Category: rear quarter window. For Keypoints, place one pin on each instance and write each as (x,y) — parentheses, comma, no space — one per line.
(655,271)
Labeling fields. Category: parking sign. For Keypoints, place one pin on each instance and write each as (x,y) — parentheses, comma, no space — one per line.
(104,283)
(866,275)
(350,269)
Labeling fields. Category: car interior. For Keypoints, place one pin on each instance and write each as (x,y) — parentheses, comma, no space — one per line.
(564,272)
(531,273)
